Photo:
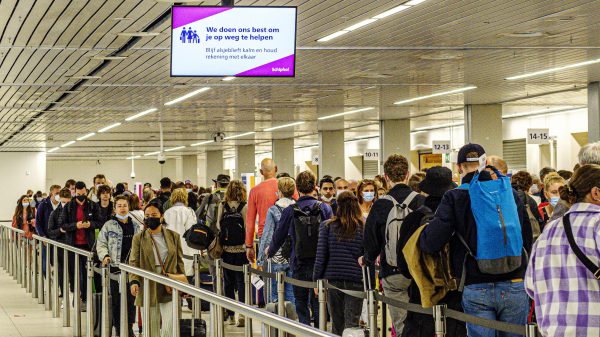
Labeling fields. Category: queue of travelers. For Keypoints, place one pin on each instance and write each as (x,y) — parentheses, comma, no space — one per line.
(525,255)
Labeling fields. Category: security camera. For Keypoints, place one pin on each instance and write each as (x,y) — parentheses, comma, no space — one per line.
(132,175)
(161,158)
(219,137)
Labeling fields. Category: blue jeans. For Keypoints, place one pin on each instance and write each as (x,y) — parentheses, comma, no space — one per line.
(289,290)
(502,301)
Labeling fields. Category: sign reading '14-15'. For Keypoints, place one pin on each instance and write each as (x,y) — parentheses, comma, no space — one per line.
(441,146)
(233,41)
(538,136)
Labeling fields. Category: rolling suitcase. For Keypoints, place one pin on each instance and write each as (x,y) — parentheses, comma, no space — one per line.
(290,312)
(97,306)
(361,331)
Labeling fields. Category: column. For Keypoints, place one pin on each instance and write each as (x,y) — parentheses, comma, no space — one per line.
(190,168)
(394,137)
(283,155)
(483,126)
(22,170)
(214,165)
(244,160)
(332,159)
(593,112)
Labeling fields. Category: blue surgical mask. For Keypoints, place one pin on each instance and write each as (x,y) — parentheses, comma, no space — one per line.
(554,201)
(368,196)
(121,217)
(189,190)
(25,204)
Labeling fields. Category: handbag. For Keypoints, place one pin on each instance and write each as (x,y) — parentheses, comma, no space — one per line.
(215,249)
(177,277)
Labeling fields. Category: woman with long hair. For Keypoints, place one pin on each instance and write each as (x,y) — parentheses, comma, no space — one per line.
(366,193)
(552,183)
(338,249)
(231,218)
(24,216)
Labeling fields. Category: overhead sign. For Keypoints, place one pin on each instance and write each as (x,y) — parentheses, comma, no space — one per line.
(233,41)
(371,154)
(441,146)
(538,136)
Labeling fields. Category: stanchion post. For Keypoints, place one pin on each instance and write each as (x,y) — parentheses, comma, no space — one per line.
(268,292)
(248,297)
(33,271)
(123,290)
(40,286)
(55,285)
(106,327)
(531,330)
(47,284)
(439,318)
(322,305)
(22,264)
(176,312)
(372,305)
(77,297)
(219,281)
(66,302)
(90,296)
(279,277)
(146,312)
(27,265)
(197,312)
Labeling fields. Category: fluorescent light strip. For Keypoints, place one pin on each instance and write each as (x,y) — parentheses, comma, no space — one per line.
(143,113)
(68,143)
(345,113)
(53,149)
(175,148)
(86,136)
(228,78)
(151,153)
(186,96)
(240,135)
(109,127)
(551,70)
(441,126)
(133,157)
(284,126)
(203,143)
(455,91)
(366,22)
(542,112)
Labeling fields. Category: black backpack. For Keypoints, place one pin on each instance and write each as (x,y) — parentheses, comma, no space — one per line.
(199,236)
(286,247)
(307,231)
(233,230)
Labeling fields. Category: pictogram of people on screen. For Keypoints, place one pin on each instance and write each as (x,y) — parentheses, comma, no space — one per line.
(189,36)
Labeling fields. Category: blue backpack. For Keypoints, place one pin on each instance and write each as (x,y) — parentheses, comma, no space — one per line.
(499,237)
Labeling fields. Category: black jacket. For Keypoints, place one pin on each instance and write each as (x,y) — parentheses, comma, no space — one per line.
(54,232)
(68,221)
(105,212)
(454,215)
(374,236)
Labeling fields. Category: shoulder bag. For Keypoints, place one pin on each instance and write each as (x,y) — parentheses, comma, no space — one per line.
(177,277)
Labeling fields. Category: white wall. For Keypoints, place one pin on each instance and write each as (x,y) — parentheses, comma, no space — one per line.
(20,172)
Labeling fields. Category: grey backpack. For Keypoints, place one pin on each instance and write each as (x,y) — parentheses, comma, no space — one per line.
(394,221)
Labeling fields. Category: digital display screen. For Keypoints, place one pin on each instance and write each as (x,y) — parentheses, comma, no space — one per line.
(233,41)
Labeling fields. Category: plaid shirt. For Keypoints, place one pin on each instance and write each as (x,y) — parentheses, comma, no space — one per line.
(566,294)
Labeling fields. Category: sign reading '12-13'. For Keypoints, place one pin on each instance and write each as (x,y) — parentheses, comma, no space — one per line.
(233,41)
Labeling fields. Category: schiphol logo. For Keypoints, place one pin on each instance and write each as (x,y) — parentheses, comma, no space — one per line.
(189,36)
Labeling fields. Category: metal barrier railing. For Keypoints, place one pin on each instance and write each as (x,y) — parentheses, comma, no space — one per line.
(21,257)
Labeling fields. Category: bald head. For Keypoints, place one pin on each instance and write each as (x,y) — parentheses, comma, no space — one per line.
(268,168)
(498,163)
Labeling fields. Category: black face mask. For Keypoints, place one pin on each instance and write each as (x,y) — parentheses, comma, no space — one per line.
(81,198)
(152,223)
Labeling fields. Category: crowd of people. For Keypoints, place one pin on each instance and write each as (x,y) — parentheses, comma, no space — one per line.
(502,245)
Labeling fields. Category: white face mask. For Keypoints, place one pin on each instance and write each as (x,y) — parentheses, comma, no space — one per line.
(57,197)
(534,189)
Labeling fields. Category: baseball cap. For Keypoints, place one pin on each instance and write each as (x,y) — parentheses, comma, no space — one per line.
(222,179)
(468,148)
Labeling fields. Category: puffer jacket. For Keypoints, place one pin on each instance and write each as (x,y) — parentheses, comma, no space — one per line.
(337,258)
(110,240)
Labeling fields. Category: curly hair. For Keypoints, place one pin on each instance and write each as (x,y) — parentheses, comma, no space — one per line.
(179,195)
(521,181)
(236,191)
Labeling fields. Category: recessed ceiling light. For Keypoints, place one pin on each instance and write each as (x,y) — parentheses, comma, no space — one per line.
(186,96)
(109,127)
(84,77)
(360,24)
(228,78)
(345,113)
(551,70)
(455,91)
(332,36)
(284,126)
(143,113)
(138,34)
(240,135)
(134,157)
(523,34)
(122,19)
(68,143)
(175,148)
(203,143)
(391,12)
(414,2)
(91,134)
(53,149)
(112,58)
(151,153)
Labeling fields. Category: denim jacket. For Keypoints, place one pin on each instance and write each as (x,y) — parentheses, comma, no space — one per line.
(110,240)
(271,222)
